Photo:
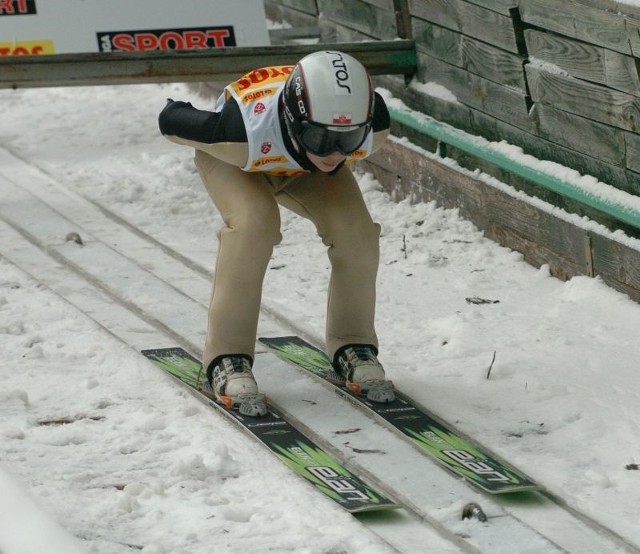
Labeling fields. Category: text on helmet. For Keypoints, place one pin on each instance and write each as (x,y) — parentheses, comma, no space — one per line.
(340,73)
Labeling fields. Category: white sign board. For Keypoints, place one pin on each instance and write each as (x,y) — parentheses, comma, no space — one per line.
(73,26)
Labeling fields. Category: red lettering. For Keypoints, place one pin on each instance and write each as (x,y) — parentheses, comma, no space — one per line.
(21,51)
(244,83)
(218,36)
(256,95)
(123,42)
(146,41)
(195,39)
(167,40)
(275,72)
(171,40)
(9,7)
(259,75)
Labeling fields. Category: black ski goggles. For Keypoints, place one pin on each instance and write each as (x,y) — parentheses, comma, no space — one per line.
(322,141)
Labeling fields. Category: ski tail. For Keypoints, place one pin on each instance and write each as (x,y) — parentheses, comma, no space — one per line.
(290,444)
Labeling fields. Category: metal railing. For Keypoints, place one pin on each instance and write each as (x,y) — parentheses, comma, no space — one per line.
(615,203)
(218,64)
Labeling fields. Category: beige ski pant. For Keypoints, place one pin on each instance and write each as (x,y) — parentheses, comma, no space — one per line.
(248,204)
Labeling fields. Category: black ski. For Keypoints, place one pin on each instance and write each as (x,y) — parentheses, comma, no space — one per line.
(290,444)
(430,434)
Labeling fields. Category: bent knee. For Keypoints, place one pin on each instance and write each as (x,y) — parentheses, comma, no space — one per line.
(359,246)
(365,236)
(254,230)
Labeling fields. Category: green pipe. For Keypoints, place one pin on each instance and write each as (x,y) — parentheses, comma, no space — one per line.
(488,151)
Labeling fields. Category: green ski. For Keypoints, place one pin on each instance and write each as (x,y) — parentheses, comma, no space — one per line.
(429,433)
(290,444)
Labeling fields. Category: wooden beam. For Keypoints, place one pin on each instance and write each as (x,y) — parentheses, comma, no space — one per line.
(219,64)
(285,36)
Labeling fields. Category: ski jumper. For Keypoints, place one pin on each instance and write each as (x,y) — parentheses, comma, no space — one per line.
(250,167)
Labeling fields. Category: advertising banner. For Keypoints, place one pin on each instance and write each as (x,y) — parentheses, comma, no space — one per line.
(75,26)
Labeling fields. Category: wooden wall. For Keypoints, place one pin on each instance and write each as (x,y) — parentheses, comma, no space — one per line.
(559,78)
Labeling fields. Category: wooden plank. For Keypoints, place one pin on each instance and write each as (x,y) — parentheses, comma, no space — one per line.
(220,64)
(584,22)
(333,31)
(475,56)
(275,10)
(617,264)
(602,142)
(403,19)
(439,42)
(502,102)
(501,6)
(381,4)
(307,6)
(440,12)
(579,59)
(585,99)
(632,25)
(541,237)
(585,61)
(488,26)
(632,151)
(435,181)
(623,72)
(495,64)
(470,19)
(399,187)
(283,36)
(620,7)
(633,183)
(362,16)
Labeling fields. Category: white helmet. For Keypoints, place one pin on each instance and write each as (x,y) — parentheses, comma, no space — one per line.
(328,102)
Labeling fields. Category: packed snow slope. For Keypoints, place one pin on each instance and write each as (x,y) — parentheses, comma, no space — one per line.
(116,459)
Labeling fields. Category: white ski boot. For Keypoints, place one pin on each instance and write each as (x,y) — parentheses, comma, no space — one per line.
(231,382)
(358,364)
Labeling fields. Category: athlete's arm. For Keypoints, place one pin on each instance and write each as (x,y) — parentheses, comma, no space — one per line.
(381,123)
(220,134)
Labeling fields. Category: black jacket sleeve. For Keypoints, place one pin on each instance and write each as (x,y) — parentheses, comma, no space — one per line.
(182,120)
(381,117)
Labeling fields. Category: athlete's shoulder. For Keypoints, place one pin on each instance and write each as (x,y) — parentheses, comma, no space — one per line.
(381,117)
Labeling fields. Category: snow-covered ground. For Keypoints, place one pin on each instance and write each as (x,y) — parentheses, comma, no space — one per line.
(97,454)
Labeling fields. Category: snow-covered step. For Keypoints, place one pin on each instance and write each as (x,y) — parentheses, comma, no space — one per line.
(110,275)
